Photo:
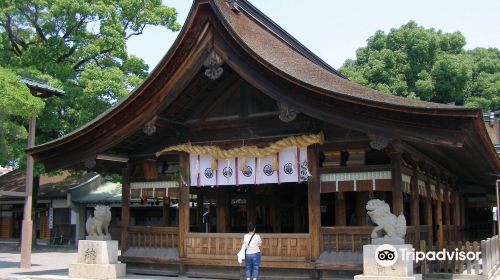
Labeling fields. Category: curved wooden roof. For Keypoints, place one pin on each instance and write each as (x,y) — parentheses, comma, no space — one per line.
(267,57)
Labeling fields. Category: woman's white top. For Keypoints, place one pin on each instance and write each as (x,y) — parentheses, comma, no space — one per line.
(254,246)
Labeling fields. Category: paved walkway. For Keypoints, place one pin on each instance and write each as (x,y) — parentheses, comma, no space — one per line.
(52,263)
(47,263)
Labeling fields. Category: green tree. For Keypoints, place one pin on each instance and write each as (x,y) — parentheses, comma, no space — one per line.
(78,46)
(16,105)
(414,62)
(483,91)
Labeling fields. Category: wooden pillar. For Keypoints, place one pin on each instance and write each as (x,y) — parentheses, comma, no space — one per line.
(313,195)
(199,209)
(27,226)
(439,215)
(297,207)
(222,210)
(183,206)
(275,210)
(125,219)
(397,183)
(166,213)
(456,215)
(463,213)
(447,214)
(415,205)
(428,209)
(251,205)
(340,214)
(360,201)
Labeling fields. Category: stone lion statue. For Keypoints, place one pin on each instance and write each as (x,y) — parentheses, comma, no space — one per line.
(97,226)
(394,227)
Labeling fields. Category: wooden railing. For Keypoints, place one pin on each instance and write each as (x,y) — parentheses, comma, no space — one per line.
(352,238)
(226,245)
(424,232)
(348,238)
(152,237)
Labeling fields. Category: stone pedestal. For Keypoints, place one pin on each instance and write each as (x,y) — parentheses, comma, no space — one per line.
(97,260)
(98,238)
(400,269)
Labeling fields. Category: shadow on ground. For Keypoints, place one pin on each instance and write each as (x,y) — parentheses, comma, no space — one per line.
(44,272)
(5,264)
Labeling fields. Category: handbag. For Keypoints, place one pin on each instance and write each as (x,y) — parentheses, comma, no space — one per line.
(243,251)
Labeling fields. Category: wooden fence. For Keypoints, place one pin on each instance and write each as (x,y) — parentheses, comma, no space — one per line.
(226,246)
(471,267)
(352,238)
(152,237)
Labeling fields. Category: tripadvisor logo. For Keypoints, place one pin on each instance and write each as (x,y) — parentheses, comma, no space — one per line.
(387,255)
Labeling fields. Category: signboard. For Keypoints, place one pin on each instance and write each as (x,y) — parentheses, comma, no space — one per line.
(51,218)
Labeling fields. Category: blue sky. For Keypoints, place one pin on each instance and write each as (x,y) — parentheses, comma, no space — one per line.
(335,29)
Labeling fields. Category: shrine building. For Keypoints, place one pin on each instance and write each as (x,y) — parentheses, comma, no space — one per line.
(240,122)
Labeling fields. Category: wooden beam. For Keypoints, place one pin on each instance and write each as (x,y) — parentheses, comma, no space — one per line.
(313,192)
(447,213)
(428,208)
(199,209)
(27,225)
(340,214)
(439,216)
(297,208)
(275,210)
(183,205)
(415,204)
(12,193)
(360,205)
(125,219)
(251,205)
(397,183)
(166,213)
(222,210)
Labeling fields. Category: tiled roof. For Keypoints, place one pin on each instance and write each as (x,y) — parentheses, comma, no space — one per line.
(272,50)
(40,85)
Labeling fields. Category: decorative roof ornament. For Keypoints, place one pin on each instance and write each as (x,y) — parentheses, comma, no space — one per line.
(378,142)
(233,4)
(214,66)
(287,112)
(150,127)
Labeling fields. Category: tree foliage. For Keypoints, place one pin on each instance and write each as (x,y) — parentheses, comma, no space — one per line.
(427,64)
(78,46)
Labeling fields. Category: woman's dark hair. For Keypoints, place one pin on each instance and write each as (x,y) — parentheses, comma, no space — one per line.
(250,227)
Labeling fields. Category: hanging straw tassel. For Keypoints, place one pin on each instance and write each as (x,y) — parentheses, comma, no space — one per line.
(275,164)
(214,164)
(243,164)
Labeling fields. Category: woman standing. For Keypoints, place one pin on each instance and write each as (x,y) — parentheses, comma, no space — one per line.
(252,243)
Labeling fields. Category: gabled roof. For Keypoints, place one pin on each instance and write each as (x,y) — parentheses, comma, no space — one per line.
(279,66)
(50,186)
(41,87)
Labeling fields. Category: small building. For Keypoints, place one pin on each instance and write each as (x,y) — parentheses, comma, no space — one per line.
(239,123)
(55,220)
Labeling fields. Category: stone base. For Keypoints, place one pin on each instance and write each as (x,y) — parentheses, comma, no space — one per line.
(97,271)
(98,238)
(97,252)
(388,240)
(369,277)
